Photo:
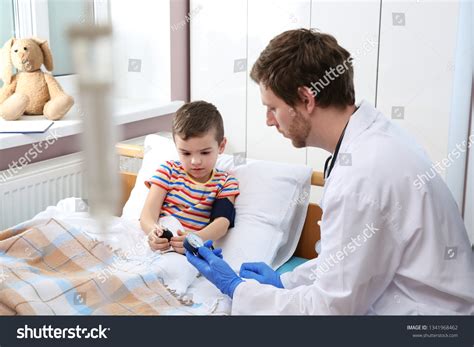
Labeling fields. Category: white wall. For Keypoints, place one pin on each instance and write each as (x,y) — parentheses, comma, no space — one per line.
(266,19)
(141,31)
(415,69)
(355,25)
(215,58)
(419,66)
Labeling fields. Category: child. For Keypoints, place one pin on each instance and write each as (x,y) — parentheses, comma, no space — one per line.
(191,189)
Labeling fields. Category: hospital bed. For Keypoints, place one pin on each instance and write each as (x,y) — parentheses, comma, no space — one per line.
(309,235)
(55,263)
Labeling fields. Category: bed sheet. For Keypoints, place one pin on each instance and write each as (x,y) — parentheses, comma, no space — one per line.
(58,263)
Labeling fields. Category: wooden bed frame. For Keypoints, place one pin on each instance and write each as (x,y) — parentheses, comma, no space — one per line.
(309,236)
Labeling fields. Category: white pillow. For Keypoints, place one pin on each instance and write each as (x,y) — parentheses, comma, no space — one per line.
(158,149)
(270,210)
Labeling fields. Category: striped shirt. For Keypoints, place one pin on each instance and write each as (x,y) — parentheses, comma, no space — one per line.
(190,201)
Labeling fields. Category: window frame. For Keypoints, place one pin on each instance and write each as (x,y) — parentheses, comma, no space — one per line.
(31,19)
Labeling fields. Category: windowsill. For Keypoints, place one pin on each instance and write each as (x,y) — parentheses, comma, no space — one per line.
(126,111)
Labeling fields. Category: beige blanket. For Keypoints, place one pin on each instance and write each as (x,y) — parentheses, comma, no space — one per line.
(49,269)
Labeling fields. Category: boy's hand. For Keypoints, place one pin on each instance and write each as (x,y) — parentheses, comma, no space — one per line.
(177,242)
(155,242)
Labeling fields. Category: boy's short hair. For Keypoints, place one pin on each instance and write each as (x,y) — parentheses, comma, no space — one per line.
(305,57)
(195,119)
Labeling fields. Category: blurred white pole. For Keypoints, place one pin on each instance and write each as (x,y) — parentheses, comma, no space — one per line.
(92,54)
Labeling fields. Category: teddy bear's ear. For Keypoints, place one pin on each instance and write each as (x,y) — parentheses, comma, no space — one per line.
(6,65)
(47,55)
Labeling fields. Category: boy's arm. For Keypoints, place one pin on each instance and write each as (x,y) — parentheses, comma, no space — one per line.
(218,228)
(152,208)
(214,231)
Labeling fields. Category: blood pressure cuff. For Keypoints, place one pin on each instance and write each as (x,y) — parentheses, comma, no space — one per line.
(223,208)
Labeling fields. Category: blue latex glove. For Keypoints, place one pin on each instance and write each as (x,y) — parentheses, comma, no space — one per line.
(216,251)
(262,273)
(215,269)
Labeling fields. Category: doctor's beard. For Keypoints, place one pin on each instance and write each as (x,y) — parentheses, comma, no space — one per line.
(299,129)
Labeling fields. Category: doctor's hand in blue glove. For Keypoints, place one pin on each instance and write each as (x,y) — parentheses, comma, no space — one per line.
(215,269)
(262,273)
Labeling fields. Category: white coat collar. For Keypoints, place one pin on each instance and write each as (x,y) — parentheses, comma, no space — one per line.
(360,121)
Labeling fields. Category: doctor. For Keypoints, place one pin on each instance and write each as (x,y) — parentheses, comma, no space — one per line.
(393,241)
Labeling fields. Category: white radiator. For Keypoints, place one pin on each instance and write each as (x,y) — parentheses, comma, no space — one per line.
(37,186)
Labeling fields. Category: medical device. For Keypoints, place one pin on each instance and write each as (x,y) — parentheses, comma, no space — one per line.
(192,242)
(223,208)
(92,53)
(167,234)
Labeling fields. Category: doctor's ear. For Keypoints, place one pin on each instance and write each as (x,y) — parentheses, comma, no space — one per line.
(307,97)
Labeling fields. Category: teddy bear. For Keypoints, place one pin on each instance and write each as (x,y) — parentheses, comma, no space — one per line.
(30,91)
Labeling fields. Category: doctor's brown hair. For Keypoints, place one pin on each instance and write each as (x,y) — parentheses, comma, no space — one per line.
(195,119)
(302,57)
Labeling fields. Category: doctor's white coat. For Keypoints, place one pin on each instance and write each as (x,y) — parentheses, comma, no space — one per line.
(392,238)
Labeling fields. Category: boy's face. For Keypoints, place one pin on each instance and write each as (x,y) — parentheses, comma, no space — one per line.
(199,154)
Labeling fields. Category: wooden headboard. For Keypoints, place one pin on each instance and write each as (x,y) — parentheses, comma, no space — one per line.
(309,236)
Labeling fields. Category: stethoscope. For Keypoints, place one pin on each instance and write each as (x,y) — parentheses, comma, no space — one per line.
(329,164)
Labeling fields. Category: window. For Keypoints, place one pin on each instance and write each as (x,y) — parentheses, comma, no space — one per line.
(7,27)
(62,14)
(50,20)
